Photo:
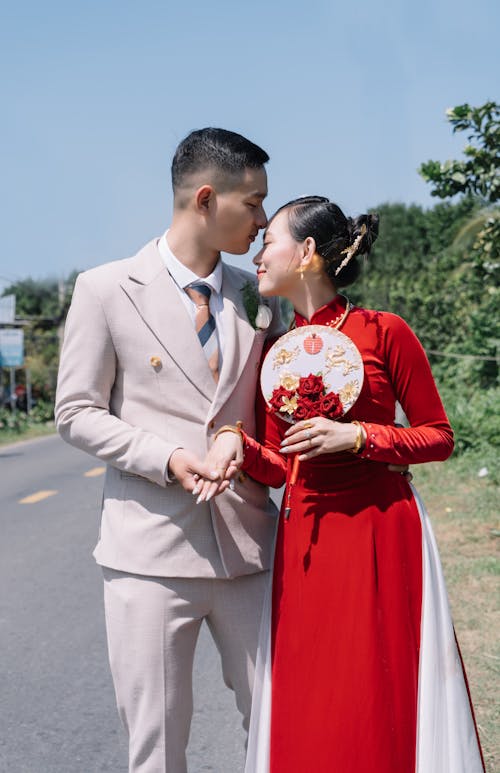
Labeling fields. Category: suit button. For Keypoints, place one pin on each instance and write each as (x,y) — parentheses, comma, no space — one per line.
(212,424)
(155,362)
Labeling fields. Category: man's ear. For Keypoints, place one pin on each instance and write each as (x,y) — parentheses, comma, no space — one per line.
(204,197)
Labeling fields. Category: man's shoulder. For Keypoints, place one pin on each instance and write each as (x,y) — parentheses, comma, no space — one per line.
(144,262)
(112,269)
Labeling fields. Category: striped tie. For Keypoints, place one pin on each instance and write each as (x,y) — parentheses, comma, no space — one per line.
(205,325)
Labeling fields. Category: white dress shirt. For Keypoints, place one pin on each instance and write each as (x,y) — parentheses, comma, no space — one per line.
(183,277)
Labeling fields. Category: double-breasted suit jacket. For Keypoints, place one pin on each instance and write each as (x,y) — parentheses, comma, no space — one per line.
(134,385)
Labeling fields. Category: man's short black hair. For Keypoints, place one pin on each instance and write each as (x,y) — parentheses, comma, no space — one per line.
(219,149)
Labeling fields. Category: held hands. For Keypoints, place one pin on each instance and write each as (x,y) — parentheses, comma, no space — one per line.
(308,438)
(187,469)
(223,460)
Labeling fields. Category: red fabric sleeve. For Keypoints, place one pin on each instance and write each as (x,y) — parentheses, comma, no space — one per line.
(263,462)
(429,437)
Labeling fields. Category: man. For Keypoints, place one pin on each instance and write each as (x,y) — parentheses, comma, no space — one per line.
(159,353)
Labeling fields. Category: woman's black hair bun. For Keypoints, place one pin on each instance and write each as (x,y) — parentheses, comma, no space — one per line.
(368,233)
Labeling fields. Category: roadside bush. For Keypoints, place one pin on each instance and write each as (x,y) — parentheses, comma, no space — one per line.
(42,413)
(13,422)
(18,422)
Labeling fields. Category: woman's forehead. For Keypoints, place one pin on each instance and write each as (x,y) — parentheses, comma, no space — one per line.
(278,223)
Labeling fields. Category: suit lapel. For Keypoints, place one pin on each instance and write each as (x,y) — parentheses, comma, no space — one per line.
(239,337)
(156,298)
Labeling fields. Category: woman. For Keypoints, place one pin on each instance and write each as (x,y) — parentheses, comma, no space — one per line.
(366,677)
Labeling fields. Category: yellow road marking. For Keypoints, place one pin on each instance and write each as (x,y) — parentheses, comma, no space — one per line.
(36,497)
(94,472)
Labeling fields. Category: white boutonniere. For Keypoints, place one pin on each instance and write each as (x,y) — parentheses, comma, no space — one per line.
(259,314)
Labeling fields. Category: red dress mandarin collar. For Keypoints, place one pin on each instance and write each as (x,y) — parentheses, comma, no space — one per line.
(325,314)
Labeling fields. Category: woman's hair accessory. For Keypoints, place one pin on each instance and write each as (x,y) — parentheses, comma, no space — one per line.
(350,251)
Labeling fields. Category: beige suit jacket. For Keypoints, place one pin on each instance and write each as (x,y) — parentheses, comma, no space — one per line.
(133,386)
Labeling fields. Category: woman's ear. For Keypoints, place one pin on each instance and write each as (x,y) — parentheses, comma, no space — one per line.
(204,197)
(308,253)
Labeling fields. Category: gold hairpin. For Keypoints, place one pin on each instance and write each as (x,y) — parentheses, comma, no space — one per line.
(350,251)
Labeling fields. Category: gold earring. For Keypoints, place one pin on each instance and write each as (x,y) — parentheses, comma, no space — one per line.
(301,272)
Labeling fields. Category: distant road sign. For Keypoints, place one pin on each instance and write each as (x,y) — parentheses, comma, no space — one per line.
(7,309)
(11,348)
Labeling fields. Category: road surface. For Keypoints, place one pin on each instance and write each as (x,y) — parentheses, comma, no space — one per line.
(57,710)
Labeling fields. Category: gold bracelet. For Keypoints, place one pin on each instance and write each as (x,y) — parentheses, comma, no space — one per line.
(358,443)
(237,429)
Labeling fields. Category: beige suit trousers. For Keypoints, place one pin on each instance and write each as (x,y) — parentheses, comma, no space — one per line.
(152,627)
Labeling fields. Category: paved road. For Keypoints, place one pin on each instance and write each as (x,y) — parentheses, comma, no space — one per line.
(57,711)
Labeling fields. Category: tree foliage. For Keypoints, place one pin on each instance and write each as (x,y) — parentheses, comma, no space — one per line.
(42,306)
(479,173)
(44,302)
(444,286)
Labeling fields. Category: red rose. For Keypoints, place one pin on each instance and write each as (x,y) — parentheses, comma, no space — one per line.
(300,413)
(306,409)
(330,406)
(277,396)
(311,386)
(313,409)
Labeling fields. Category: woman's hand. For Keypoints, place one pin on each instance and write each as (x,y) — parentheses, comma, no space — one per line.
(319,436)
(224,460)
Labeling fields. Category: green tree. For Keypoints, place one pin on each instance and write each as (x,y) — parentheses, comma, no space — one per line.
(407,266)
(474,283)
(427,266)
(42,305)
(479,173)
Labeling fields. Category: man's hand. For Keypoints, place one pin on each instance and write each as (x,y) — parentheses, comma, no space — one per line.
(226,454)
(224,459)
(188,469)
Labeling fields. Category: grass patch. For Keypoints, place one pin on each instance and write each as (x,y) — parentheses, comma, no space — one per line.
(8,436)
(464,512)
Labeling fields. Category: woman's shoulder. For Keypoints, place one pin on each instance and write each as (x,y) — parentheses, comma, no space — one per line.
(383,328)
(387,319)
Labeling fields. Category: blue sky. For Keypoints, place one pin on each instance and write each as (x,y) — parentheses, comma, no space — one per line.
(347,98)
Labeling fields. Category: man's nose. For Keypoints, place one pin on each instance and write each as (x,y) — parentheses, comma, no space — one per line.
(261,218)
